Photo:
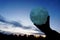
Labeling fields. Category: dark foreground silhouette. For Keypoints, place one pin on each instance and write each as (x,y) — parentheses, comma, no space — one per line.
(15,37)
(50,34)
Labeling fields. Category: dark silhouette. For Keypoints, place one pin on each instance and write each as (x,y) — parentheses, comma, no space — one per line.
(50,34)
(15,37)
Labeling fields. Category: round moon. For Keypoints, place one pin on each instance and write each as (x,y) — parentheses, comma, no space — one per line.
(39,16)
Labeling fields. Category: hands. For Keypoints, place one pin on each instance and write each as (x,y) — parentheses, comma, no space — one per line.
(44,27)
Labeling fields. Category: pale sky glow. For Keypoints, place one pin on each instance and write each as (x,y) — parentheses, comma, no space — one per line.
(18,30)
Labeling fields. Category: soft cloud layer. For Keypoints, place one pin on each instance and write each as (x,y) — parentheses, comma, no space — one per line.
(2,19)
(12,27)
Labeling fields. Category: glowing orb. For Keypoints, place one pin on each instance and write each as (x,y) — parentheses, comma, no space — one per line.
(39,16)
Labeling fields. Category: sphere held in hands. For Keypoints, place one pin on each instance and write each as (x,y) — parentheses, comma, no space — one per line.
(39,16)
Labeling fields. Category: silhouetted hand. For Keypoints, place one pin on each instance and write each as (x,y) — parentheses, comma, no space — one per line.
(51,34)
(44,27)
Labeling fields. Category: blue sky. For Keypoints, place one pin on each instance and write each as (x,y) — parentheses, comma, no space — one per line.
(19,10)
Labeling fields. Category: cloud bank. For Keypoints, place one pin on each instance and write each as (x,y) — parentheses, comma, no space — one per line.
(2,19)
(11,27)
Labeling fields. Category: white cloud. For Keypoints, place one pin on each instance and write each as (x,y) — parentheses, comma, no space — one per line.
(13,27)
(8,28)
